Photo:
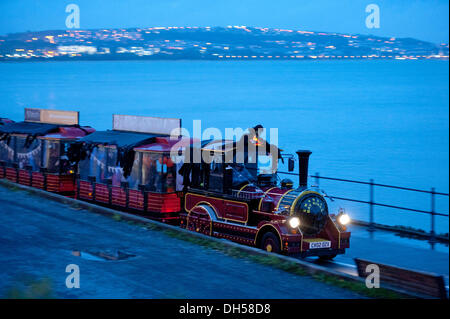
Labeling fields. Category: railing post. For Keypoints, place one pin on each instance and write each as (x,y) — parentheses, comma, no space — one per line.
(317,179)
(433,211)
(371,201)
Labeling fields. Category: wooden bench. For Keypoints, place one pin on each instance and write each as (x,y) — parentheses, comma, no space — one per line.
(420,283)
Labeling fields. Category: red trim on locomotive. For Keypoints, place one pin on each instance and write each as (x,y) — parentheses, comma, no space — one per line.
(225,209)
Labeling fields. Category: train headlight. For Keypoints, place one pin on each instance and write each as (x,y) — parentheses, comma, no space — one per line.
(344,219)
(294,222)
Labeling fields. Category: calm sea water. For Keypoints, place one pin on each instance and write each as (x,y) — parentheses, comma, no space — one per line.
(386,120)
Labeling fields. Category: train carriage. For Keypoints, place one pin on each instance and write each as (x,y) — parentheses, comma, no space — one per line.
(130,167)
(34,152)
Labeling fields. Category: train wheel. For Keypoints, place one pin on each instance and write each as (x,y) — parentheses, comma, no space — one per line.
(270,243)
(328,257)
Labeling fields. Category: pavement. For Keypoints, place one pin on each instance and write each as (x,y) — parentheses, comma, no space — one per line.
(39,238)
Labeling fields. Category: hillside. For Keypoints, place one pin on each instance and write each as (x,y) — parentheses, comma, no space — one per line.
(196,43)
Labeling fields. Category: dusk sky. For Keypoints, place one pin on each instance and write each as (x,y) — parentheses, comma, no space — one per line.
(422,19)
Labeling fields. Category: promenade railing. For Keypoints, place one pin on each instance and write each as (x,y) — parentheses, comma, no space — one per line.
(371,202)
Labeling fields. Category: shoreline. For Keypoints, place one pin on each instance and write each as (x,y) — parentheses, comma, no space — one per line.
(214,59)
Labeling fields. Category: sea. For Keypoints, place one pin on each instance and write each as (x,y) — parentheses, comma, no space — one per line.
(382,120)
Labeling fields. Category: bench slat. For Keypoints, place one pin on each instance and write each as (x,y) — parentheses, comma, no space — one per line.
(420,282)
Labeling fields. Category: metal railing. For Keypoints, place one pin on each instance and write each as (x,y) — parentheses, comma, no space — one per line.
(371,202)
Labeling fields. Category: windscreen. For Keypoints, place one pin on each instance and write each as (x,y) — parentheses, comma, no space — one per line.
(266,165)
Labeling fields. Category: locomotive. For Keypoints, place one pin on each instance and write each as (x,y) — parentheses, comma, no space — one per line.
(241,200)
(232,191)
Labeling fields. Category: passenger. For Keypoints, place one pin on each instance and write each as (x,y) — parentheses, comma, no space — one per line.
(159,175)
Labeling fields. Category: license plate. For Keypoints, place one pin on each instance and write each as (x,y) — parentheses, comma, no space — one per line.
(320,244)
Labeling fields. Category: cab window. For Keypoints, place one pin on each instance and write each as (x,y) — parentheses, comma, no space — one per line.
(266,165)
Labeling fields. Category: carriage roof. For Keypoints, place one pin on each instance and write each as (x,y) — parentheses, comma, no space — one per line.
(120,139)
(166,144)
(45,130)
(4,120)
(47,124)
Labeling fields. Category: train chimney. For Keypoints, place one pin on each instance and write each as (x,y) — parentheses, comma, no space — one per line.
(303,159)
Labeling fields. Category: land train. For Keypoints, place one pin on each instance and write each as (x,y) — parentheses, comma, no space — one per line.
(231,191)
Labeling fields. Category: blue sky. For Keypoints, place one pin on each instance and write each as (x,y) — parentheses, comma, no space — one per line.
(422,19)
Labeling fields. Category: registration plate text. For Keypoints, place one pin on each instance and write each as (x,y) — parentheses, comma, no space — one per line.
(320,244)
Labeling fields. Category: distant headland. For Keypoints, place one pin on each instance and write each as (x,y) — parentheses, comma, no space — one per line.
(210,43)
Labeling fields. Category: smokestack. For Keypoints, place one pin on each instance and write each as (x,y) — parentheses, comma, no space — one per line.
(303,159)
